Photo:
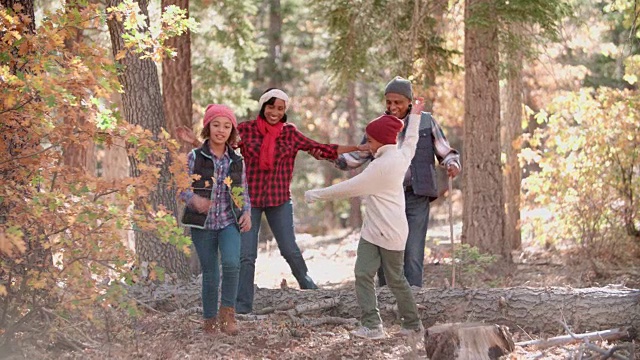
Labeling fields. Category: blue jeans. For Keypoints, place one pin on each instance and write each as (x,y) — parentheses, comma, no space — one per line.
(417,212)
(280,220)
(208,243)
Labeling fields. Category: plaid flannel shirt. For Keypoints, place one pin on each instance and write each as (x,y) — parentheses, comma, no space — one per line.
(444,152)
(272,187)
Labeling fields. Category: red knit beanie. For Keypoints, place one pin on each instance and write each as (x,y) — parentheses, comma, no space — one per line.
(217,110)
(385,129)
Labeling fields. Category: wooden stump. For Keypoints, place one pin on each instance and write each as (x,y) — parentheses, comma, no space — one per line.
(467,341)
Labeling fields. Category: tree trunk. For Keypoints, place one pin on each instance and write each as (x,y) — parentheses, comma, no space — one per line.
(430,65)
(176,80)
(355,203)
(142,105)
(27,9)
(78,155)
(274,68)
(176,96)
(483,211)
(467,341)
(511,145)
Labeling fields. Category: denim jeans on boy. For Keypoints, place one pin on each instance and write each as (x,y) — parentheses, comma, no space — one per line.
(208,244)
(280,220)
(417,212)
(369,258)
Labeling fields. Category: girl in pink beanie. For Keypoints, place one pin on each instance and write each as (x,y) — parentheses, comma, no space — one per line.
(216,215)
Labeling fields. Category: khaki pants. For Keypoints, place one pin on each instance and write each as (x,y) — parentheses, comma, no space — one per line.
(369,258)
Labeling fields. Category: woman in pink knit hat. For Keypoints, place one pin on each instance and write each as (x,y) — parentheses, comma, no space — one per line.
(218,209)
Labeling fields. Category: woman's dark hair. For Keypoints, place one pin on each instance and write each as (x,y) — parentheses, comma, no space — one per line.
(233,137)
(270,102)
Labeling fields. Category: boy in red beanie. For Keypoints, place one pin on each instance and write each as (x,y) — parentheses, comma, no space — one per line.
(384,233)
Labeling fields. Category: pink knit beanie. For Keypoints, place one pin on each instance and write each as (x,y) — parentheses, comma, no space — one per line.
(218,110)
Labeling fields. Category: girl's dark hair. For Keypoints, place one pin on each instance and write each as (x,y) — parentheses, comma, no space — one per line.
(233,137)
(270,102)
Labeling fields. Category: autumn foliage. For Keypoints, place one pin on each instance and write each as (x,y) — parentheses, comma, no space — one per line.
(588,152)
(61,226)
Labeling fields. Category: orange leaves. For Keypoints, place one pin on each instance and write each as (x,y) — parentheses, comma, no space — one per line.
(11,241)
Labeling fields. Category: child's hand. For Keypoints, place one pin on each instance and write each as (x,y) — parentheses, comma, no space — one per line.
(308,197)
(245,222)
(418,106)
(316,153)
(200,204)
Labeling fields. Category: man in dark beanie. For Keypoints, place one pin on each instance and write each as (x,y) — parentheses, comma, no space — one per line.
(420,186)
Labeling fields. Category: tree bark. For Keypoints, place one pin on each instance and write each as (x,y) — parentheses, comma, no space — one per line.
(274,71)
(483,211)
(142,105)
(467,341)
(533,309)
(27,9)
(78,155)
(430,60)
(511,145)
(176,80)
(176,96)
(355,203)
(538,310)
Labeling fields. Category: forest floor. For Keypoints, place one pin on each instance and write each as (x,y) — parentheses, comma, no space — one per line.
(178,335)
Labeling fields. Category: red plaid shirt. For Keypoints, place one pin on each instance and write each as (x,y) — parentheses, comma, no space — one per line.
(271,187)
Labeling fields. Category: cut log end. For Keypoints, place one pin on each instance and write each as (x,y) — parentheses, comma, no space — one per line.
(467,341)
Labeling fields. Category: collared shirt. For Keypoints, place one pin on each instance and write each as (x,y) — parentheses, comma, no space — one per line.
(272,187)
(220,214)
(444,152)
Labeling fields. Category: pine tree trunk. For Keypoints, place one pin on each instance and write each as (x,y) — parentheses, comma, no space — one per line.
(274,70)
(439,7)
(142,105)
(176,97)
(80,156)
(483,211)
(511,145)
(27,9)
(355,203)
(176,79)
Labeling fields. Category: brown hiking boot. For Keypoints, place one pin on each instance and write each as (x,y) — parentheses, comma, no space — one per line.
(210,325)
(227,322)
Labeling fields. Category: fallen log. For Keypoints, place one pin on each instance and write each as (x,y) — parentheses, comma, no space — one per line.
(532,309)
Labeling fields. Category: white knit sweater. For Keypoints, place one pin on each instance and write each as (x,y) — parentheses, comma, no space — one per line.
(385,223)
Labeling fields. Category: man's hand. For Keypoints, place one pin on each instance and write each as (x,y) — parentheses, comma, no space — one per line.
(185,134)
(200,204)
(453,170)
(245,222)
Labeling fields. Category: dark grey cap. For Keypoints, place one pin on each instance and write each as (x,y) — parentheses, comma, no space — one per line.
(400,85)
